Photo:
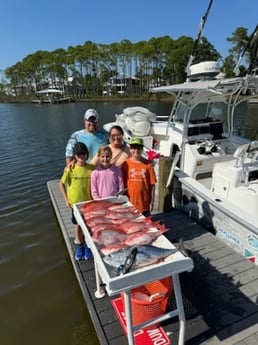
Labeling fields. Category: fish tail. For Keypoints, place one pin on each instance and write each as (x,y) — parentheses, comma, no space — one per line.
(181,247)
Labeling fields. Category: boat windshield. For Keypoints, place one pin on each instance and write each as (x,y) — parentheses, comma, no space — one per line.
(208,112)
(180,113)
(202,112)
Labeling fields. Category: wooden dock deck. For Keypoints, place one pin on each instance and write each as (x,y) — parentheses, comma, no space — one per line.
(220,294)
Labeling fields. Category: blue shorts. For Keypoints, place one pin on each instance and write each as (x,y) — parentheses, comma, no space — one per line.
(146,213)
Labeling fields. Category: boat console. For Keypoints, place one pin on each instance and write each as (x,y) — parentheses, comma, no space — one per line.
(200,157)
(205,129)
(206,146)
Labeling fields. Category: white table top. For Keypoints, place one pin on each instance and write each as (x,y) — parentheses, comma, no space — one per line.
(173,264)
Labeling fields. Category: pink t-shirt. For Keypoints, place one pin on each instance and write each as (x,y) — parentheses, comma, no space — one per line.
(106,182)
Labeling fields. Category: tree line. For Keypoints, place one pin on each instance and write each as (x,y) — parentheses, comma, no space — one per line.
(83,70)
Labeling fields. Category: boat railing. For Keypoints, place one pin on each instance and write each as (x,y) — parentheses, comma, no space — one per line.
(162,117)
(247,150)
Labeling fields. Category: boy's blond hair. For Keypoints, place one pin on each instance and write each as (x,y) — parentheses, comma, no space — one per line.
(103,149)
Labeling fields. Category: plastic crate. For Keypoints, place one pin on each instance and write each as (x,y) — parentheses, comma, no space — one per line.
(150,301)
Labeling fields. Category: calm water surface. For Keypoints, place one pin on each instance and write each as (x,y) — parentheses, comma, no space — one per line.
(41,302)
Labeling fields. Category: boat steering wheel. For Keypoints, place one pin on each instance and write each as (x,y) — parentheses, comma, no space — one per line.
(207,146)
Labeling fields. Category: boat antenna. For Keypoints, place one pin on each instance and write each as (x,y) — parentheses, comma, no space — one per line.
(198,38)
(253,41)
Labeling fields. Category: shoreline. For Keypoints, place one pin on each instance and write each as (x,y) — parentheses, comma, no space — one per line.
(153,98)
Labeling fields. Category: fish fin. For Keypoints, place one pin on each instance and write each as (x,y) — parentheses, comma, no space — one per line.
(129,261)
(162,228)
(182,248)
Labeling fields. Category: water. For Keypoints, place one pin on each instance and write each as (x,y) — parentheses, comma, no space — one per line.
(40,298)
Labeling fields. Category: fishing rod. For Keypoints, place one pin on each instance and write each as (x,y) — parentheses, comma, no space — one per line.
(254,51)
(198,38)
(253,41)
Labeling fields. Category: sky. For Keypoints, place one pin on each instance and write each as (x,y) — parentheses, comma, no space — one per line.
(27,26)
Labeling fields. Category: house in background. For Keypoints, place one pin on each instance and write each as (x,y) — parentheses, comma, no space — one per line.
(121,85)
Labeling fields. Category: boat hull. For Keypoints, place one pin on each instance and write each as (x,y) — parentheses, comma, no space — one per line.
(229,223)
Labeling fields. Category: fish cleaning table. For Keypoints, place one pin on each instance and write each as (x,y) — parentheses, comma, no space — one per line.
(172,266)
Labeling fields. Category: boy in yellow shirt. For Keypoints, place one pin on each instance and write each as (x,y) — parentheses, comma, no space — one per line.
(75,187)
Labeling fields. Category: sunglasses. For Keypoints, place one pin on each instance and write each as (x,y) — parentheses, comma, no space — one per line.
(92,120)
(115,136)
(81,153)
(136,147)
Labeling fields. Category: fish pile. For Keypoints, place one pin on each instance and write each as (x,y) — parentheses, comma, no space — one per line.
(115,225)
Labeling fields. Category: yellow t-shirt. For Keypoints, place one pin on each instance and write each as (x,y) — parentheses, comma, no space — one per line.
(77,182)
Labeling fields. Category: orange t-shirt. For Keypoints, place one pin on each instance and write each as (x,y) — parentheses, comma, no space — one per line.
(139,178)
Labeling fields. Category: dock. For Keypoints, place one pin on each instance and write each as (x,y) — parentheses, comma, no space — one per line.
(52,100)
(220,295)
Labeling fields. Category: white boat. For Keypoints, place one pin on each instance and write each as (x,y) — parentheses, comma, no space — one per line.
(51,96)
(216,181)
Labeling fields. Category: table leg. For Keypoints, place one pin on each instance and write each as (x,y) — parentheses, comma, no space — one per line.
(180,307)
(99,293)
(128,315)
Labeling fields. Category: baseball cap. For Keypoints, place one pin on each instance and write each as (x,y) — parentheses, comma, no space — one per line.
(91,114)
(80,148)
(136,141)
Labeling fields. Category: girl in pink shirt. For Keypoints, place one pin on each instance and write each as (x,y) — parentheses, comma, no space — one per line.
(106,179)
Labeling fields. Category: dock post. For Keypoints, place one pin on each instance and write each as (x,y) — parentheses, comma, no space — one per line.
(165,193)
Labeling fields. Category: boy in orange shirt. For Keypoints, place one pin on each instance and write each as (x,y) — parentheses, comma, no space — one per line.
(139,178)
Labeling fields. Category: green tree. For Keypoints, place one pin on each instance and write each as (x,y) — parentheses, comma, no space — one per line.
(239,40)
(82,71)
